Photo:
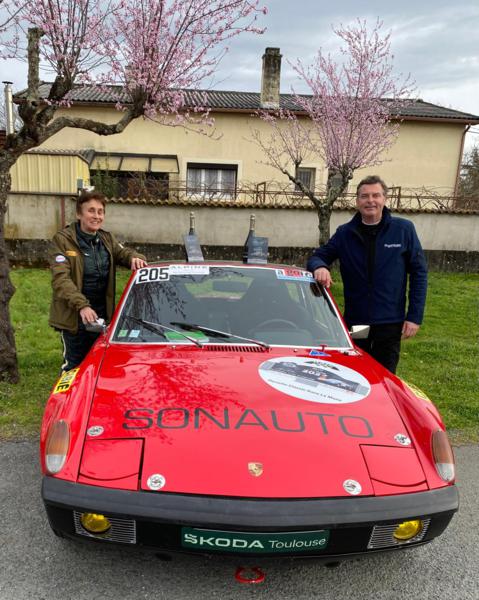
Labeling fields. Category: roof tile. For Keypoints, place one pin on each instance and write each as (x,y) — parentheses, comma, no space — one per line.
(246,101)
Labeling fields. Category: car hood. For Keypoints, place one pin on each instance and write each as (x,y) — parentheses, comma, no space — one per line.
(239,421)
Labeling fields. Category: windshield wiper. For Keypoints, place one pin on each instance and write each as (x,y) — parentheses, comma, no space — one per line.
(217,333)
(160,328)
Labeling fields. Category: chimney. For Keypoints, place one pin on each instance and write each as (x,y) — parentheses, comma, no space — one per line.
(8,107)
(270,78)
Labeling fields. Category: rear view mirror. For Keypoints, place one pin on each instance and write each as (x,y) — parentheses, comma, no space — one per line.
(230,286)
(359,332)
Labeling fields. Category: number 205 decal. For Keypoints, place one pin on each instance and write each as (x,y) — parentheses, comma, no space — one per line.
(153,274)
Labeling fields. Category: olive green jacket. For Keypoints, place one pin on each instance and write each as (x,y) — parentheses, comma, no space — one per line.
(66,262)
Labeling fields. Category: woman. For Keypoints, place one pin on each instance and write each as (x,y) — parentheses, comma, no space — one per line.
(83,262)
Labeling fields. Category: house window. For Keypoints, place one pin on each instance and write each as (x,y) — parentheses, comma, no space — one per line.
(123,184)
(210,180)
(129,175)
(307,177)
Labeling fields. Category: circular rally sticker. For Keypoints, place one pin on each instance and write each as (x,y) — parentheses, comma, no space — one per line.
(314,380)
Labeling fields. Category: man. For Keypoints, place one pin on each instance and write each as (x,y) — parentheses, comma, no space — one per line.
(377,252)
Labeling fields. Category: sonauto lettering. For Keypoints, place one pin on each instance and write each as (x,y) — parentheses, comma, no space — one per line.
(199,418)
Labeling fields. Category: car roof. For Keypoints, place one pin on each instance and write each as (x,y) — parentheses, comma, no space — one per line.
(233,263)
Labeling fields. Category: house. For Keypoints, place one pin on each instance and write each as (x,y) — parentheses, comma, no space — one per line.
(153,160)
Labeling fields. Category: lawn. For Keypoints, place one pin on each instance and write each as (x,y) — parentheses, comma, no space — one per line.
(442,360)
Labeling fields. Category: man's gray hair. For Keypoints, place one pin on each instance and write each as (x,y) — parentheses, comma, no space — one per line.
(371,180)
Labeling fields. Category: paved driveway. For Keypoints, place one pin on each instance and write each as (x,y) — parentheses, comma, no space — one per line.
(35,565)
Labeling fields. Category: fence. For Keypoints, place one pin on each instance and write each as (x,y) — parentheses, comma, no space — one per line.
(274,194)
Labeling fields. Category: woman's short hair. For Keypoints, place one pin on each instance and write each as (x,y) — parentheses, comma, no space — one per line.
(87,196)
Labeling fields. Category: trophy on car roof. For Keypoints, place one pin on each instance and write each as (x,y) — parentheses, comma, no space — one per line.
(192,243)
(255,250)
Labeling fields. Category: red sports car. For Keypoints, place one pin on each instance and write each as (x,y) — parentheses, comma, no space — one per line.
(227,410)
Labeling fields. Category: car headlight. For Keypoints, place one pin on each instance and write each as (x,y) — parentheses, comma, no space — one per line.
(443,456)
(56,449)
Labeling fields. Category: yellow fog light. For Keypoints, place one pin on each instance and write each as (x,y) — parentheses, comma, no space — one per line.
(95,523)
(407,530)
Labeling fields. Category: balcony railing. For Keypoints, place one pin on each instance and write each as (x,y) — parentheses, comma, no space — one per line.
(274,194)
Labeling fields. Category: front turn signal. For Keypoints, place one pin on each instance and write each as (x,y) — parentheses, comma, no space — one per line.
(56,449)
(443,456)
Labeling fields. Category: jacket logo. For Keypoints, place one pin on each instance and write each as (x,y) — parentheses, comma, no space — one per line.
(392,245)
(255,469)
(71,253)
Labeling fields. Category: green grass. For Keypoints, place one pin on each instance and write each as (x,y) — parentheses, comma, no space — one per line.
(443,359)
(39,351)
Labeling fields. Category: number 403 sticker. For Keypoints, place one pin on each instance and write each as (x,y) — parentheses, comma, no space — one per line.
(153,274)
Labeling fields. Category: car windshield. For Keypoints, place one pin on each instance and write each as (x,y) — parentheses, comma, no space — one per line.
(182,304)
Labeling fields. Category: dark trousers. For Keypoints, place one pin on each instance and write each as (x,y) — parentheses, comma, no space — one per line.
(76,346)
(383,344)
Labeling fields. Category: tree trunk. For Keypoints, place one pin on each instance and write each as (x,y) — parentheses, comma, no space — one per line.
(324,218)
(8,353)
(336,186)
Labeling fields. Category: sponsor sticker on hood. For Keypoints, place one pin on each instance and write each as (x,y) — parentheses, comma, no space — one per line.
(314,380)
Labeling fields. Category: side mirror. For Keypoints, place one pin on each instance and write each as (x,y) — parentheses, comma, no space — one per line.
(359,332)
(97,326)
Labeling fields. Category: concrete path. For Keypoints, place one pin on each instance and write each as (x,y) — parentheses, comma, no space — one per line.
(35,565)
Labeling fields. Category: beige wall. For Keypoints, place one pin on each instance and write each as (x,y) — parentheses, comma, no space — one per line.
(39,217)
(33,216)
(425,154)
(283,227)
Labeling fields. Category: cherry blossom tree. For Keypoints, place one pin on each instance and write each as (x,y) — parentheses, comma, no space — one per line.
(346,119)
(152,48)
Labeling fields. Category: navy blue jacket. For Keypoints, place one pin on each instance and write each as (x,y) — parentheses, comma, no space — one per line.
(398,254)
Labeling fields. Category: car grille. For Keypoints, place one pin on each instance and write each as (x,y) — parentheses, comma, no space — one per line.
(122,531)
(382,536)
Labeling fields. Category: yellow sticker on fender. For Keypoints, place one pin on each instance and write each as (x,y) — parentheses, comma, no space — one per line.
(416,391)
(65,381)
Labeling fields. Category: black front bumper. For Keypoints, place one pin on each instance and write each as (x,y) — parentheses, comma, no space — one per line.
(159,517)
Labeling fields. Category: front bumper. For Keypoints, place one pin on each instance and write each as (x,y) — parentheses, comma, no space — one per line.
(158,517)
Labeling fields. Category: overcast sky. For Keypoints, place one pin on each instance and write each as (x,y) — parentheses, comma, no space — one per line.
(433,40)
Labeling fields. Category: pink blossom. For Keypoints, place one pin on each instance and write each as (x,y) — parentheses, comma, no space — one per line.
(153,48)
(349,109)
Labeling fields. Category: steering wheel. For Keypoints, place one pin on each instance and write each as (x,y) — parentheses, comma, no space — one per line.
(269,322)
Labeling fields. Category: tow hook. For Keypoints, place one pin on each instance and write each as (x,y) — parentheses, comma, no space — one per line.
(249,575)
